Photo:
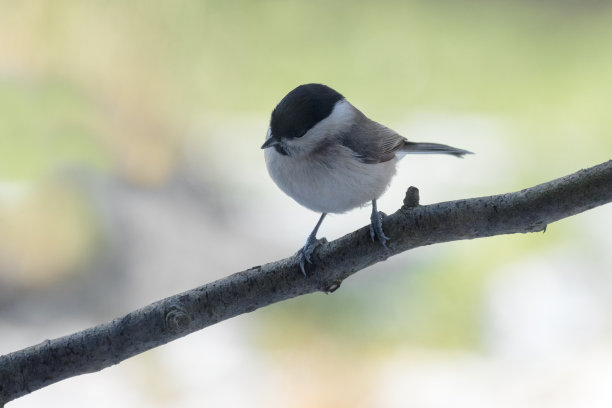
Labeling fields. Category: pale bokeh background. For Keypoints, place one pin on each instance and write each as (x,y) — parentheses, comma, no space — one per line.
(130,170)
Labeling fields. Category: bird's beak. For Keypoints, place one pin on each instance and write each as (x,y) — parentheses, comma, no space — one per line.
(270,143)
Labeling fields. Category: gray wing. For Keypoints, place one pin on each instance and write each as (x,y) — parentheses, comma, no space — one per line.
(372,142)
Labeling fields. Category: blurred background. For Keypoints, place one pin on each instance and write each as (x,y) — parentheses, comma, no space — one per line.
(131,169)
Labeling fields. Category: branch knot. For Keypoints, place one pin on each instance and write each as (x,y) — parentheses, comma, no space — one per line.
(177,319)
(412,198)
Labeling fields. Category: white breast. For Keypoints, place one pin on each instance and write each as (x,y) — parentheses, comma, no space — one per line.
(334,183)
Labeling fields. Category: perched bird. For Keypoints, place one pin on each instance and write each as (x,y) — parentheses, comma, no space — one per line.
(329,157)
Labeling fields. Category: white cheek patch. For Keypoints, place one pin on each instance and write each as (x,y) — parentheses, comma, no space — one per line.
(339,120)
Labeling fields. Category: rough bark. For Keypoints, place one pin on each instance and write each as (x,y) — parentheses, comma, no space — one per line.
(412,226)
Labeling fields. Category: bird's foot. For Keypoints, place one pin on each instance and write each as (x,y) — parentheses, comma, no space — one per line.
(305,252)
(376,229)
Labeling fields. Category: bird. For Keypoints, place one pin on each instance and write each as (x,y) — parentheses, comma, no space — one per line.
(331,158)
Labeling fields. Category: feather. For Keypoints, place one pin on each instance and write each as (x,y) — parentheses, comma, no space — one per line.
(370,141)
(433,148)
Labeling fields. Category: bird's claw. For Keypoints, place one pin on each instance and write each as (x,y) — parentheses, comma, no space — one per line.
(376,229)
(305,252)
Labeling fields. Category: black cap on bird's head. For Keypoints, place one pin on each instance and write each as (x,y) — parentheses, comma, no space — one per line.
(300,110)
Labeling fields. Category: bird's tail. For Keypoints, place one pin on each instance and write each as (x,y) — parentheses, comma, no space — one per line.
(432,148)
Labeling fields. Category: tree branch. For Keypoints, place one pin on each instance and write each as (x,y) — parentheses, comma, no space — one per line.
(412,226)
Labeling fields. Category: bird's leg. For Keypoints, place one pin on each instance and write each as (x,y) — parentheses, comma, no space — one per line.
(311,243)
(376,229)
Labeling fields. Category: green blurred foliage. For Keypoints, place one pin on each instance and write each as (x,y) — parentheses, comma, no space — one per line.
(45,128)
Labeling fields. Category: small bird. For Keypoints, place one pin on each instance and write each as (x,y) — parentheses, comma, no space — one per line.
(329,157)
